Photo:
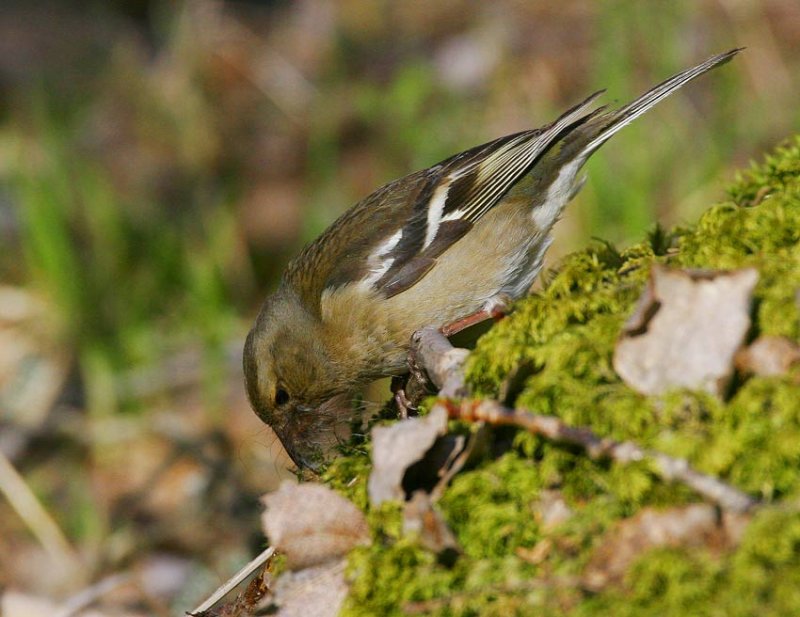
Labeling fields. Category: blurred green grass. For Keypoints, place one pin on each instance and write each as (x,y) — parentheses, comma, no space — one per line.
(132,282)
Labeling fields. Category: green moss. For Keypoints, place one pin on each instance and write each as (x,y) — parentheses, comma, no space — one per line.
(564,335)
(761,578)
(778,173)
(348,474)
(510,485)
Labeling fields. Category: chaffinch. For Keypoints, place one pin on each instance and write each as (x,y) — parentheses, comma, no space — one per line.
(450,244)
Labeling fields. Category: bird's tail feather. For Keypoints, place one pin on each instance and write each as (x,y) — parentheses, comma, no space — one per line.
(600,129)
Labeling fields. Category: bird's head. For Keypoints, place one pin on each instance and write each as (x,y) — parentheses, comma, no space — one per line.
(293,383)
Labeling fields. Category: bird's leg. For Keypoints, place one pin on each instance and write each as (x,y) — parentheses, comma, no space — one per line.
(404,406)
(410,389)
(497,310)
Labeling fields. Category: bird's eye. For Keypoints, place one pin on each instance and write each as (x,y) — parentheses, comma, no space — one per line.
(281,397)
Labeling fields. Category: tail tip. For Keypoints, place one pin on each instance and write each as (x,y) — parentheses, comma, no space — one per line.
(726,56)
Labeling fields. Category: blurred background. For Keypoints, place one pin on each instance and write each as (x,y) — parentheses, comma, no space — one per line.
(160,161)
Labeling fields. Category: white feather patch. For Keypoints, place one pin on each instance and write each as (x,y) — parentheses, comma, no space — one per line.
(435,209)
(453,216)
(379,264)
(558,194)
(525,267)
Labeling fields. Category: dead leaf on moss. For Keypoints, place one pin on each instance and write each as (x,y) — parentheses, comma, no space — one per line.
(314,592)
(536,555)
(768,356)
(311,524)
(421,517)
(686,330)
(695,525)
(551,509)
(398,447)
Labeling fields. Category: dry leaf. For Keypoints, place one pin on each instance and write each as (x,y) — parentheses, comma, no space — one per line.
(421,517)
(537,554)
(314,592)
(692,525)
(396,448)
(310,524)
(768,356)
(551,509)
(686,330)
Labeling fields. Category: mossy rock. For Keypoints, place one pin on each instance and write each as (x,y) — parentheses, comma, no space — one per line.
(564,337)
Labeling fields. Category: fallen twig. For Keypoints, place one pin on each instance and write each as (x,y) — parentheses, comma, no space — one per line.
(442,362)
(232,582)
(445,369)
(667,467)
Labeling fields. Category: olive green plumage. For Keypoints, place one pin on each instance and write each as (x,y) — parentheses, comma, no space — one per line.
(464,236)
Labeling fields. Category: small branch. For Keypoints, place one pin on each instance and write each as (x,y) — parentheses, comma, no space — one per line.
(234,581)
(445,368)
(669,468)
(443,363)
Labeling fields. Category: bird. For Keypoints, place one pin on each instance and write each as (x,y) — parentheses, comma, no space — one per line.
(446,246)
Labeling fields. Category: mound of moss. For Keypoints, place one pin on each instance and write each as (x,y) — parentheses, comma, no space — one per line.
(561,341)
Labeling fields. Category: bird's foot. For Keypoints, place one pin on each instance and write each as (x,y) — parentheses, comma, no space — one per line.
(405,407)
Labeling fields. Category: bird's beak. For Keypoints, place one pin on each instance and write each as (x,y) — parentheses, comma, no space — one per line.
(302,461)
(312,435)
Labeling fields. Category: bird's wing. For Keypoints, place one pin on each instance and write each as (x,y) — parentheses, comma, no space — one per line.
(390,240)
(459,191)
(453,195)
